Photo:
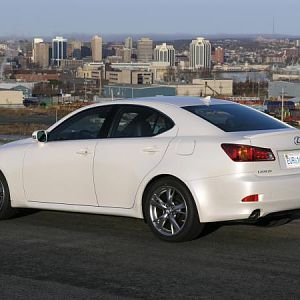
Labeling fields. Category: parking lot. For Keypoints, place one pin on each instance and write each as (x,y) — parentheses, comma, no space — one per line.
(55,255)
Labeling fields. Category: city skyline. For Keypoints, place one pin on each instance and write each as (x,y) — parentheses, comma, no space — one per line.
(161,17)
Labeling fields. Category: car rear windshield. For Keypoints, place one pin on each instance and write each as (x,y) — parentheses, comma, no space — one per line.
(234,117)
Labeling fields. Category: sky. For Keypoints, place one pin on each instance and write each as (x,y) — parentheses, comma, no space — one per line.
(48,18)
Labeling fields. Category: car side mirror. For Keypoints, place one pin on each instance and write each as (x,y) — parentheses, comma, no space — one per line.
(40,136)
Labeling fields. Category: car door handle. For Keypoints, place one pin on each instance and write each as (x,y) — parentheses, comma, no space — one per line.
(83,152)
(151,149)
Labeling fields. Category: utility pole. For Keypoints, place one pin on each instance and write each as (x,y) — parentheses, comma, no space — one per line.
(100,83)
(282,103)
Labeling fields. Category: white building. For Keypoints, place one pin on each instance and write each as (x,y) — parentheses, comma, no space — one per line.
(59,50)
(128,42)
(200,54)
(165,53)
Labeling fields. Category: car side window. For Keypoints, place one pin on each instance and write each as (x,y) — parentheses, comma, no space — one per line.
(85,125)
(140,121)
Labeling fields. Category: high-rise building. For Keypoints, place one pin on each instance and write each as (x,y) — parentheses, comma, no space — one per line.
(96,46)
(219,55)
(127,55)
(59,50)
(74,49)
(34,43)
(165,53)
(128,42)
(144,50)
(200,54)
(41,54)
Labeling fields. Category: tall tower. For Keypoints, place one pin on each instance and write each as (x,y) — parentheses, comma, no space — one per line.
(34,43)
(59,50)
(128,42)
(200,54)
(96,48)
(41,54)
(144,50)
(165,53)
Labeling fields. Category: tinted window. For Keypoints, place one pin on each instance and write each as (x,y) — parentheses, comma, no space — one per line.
(84,125)
(139,121)
(233,117)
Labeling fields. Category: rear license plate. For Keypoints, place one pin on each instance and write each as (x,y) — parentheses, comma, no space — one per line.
(292,160)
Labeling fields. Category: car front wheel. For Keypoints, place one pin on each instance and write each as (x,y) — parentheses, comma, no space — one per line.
(6,211)
(171,212)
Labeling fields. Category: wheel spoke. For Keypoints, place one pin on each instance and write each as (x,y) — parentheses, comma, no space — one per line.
(170,195)
(160,221)
(157,202)
(174,225)
(179,207)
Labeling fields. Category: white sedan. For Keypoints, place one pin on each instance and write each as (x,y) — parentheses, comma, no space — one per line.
(177,162)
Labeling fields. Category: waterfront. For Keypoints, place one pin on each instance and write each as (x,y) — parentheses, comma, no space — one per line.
(243,76)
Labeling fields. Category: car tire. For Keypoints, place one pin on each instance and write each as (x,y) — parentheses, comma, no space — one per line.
(6,211)
(171,212)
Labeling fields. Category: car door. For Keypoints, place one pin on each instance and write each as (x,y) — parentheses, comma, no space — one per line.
(61,169)
(137,143)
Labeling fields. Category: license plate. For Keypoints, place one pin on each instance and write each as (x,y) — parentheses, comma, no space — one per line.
(292,160)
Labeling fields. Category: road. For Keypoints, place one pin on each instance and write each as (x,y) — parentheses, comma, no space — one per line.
(55,255)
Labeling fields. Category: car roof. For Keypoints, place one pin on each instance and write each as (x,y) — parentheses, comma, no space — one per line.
(174,100)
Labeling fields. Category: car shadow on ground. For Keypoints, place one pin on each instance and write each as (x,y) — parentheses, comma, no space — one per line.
(272,220)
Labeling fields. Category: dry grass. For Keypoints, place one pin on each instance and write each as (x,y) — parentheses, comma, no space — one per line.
(23,121)
(20,129)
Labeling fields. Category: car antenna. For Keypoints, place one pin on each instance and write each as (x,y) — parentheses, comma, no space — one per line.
(206,100)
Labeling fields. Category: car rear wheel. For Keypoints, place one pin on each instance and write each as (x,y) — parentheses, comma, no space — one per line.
(171,212)
(6,211)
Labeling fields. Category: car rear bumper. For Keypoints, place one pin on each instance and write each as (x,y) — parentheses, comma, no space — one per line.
(220,198)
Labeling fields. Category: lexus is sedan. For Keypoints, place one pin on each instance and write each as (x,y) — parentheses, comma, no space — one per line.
(176,162)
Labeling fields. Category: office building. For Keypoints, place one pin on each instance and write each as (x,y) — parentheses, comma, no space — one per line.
(59,50)
(41,54)
(165,53)
(96,46)
(74,49)
(34,43)
(200,54)
(128,43)
(144,50)
(219,55)
(127,55)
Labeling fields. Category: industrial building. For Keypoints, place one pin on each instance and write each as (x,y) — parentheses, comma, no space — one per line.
(11,98)
(205,87)
(129,77)
(284,88)
(24,87)
(137,91)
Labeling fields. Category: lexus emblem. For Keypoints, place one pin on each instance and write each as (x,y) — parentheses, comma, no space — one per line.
(297,140)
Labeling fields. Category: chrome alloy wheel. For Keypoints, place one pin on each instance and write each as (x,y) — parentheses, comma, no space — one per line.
(168,210)
(2,194)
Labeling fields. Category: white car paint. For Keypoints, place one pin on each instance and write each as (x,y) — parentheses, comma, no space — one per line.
(109,176)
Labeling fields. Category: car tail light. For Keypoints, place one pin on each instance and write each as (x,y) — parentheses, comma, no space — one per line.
(251,198)
(244,153)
